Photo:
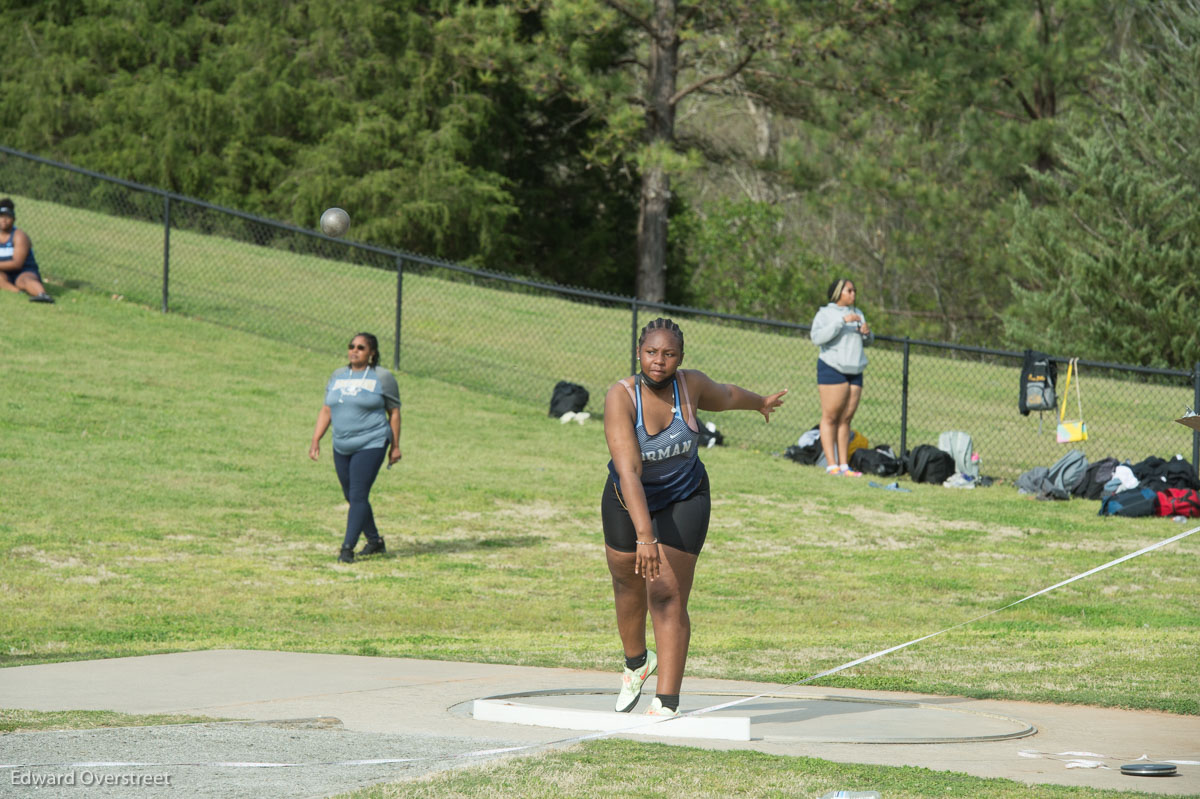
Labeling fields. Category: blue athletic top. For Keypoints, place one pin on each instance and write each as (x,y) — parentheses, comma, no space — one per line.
(671,466)
(6,253)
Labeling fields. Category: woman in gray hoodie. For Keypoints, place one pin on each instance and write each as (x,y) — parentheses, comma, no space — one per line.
(841,331)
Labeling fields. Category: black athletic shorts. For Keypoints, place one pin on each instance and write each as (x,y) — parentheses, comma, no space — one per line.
(682,525)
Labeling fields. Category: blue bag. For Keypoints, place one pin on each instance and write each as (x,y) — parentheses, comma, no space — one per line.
(1138,501)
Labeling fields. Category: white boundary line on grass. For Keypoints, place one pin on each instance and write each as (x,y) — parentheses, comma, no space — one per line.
(638,726)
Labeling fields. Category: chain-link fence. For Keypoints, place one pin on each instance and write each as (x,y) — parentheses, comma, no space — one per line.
(516,338)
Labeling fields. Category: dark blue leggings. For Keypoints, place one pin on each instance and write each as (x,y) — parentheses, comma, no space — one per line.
(357,474)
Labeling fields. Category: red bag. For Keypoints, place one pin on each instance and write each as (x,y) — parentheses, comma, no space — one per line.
(1177,502)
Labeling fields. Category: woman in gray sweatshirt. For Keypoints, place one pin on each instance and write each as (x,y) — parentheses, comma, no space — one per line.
(841,331)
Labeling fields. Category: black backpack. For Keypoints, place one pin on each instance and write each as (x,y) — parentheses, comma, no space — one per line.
(1097,474)
(1038,376)
(878,460)
(1152,468)
(1179,474)
(807,456)
(710,436)
(567,398)
(928,464)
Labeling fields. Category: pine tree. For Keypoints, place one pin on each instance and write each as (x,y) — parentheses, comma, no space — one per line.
(1109,260)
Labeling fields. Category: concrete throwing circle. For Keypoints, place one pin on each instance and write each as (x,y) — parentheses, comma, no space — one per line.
(779,717)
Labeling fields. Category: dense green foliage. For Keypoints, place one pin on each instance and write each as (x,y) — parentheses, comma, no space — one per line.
(406,113)
(893,141)
(1110,260)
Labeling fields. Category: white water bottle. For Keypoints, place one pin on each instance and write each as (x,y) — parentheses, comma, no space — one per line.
(852,795)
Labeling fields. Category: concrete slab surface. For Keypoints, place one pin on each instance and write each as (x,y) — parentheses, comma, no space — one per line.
(779,717)
(427,698)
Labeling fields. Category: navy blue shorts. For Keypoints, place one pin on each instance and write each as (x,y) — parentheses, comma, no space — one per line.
(24,270)
(828,376)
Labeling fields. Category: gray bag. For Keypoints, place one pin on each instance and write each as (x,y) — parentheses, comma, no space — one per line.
(1058,481)
(1066,473)
(959,445)
(1032,481)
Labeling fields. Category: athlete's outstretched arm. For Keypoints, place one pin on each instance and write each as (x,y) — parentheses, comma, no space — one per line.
(712,396)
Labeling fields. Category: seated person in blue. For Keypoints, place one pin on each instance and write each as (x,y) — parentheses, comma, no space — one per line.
(18,267)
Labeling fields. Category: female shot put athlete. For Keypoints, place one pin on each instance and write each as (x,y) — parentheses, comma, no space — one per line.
(655,506)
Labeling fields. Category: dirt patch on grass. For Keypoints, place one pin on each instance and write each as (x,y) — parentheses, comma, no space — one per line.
(996,533)
(48,559)
(538,510)
(888,520)
(99,575)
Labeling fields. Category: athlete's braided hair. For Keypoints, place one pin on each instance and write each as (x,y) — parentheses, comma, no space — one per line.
(662,324)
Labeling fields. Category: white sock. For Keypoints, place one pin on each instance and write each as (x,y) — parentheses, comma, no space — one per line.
(845,467)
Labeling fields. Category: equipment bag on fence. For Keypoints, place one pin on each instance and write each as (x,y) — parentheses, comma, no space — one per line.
(567,398)
(1177,502)
(1038,376)
(928,464)
(1138,501)
(1074,430)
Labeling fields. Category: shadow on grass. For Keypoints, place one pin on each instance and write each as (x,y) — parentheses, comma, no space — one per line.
(439,546)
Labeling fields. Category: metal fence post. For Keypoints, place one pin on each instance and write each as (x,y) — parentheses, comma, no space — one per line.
(166,250)
(1195,405)
(399,310)
(633,364)
(904,402)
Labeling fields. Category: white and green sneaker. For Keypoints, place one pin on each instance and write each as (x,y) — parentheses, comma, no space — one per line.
(657,710)
(632,682)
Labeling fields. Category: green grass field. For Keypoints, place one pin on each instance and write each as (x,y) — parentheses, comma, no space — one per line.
(516,345)
(620,769)
(161,500)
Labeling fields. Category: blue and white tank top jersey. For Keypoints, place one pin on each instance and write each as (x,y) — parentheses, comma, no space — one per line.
(671,466)
(6,253)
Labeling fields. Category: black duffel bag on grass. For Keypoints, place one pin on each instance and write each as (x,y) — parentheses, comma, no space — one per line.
(567,398)
(928,464)
(879,461)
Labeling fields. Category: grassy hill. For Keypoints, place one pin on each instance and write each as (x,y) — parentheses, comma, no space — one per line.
(164,502)
(160,499)
(518,344)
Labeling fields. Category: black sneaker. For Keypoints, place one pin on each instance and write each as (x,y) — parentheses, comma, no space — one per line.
(43,297)
(376,547)
(347,555)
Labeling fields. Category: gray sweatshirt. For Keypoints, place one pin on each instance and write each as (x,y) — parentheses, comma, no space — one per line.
(840,342)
